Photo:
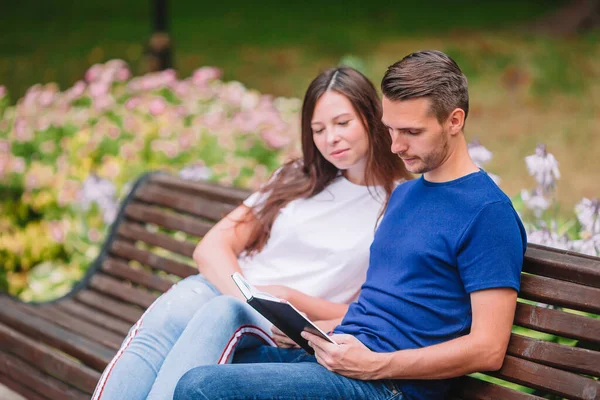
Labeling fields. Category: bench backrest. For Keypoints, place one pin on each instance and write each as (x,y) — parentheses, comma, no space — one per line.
(152,242)
(556,341)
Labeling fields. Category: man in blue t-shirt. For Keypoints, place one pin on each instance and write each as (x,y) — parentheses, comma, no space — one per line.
(441,288)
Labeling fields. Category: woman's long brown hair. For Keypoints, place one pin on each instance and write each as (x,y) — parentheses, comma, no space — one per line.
(306,177)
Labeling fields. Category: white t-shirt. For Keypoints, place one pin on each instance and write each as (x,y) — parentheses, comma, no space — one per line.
(320,245)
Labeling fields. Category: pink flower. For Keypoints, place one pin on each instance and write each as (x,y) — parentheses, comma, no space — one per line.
(4,147)
(18,165)
(203,75)
(168,76)
(93,73)
(46,98)
(22,132)
(98,89)
(132,103)
(56,231)
(122,74)
(157,106)
(76,91)
(102,103)
(274,139)
(94,235)
(2,91)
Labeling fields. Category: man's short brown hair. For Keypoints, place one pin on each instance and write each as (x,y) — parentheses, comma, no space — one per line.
(431,74)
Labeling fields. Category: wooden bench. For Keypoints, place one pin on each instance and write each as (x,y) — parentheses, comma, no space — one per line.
(57,350)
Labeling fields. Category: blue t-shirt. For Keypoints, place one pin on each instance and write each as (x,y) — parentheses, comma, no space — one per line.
(437,243)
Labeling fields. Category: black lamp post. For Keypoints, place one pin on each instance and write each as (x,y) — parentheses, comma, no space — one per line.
(159,47)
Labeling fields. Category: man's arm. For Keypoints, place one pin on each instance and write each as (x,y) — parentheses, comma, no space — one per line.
(483,349)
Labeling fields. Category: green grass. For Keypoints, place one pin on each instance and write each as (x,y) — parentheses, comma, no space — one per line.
(58,40)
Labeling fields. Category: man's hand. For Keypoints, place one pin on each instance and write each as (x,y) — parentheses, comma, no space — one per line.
(349,358)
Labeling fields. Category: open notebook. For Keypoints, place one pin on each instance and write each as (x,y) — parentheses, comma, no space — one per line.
(280,313)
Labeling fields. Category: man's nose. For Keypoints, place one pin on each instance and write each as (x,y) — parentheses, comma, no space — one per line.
(399,146)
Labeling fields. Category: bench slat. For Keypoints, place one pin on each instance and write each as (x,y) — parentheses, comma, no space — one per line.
(198,206)
(24,373)
(90,353)
(563,265)
(202,189)
(121,270)
(73,324)
(119,290)
(176,222)
(48,360)
(560,293)
(94,316)
(135,232)
(23,390)
(558,322)
(555,355)
(549,379)
(128,252)
(476,389)
(95,300)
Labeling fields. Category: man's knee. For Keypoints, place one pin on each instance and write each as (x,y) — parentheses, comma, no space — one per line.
(199,383)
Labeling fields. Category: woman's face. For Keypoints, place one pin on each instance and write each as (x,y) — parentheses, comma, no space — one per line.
(340,136)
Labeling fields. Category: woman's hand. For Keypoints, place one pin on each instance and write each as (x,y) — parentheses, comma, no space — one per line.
(282,339)
(281,291)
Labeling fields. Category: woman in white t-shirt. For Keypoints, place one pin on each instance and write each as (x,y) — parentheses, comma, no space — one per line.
(303,237)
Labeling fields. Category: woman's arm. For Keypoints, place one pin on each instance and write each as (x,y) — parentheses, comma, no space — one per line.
(216,257)
(217,253)
(316,308)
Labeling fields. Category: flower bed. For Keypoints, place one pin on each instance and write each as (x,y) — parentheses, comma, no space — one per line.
(67,158)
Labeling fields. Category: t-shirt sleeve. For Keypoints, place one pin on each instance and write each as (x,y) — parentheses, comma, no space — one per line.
(491,250)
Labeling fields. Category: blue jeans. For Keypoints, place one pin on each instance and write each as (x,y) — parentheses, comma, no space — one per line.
(273,373)
(190,325)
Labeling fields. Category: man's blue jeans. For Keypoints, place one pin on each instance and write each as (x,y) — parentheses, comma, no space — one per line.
(274,373)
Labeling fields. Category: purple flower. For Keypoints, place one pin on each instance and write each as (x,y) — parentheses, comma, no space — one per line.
(535,201)
(198,172)
(479,154)
(547,237)
(588,214)
(96,190)
(544,168)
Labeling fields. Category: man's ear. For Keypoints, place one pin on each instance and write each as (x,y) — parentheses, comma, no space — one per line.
(456,121)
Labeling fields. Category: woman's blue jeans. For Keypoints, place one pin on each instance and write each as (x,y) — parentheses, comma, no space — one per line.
(272,373)
(190,325)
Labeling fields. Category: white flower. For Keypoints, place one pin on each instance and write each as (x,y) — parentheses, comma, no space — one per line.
(588,214)
(589,246)
(535,201)
(195,173)
(495,178)
(96,190)
(546,237)
(543,167)
(479,154)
